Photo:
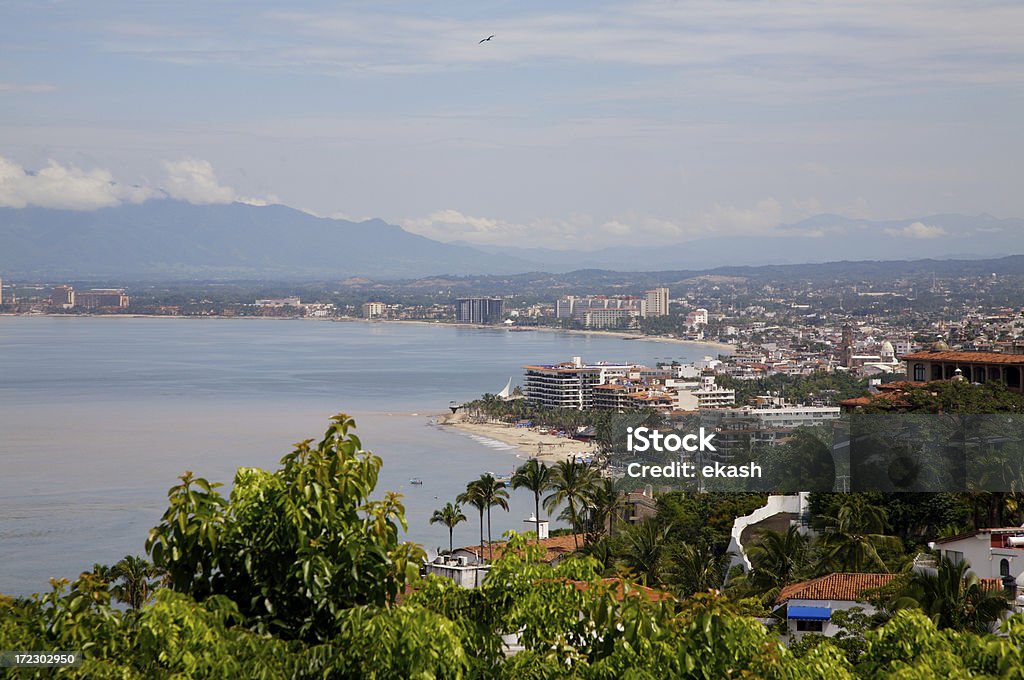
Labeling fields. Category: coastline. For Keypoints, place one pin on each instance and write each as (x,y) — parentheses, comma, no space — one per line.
(720,346)
(717,346)
(528,442)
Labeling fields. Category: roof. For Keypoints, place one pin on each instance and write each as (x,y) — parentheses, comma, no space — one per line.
(844,586)
(555,547)
(966,357)
(618,588)
(978,532)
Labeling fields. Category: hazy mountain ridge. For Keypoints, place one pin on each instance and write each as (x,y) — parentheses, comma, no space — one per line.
(179,240)
(173,240)
(817,239)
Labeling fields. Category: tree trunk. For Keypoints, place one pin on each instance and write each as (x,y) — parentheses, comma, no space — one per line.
(490,541)
(536,507)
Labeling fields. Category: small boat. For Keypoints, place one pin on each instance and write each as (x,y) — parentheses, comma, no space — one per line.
(416,480)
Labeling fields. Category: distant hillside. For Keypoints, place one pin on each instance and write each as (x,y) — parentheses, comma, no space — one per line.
(822,238)
(164,239)
(171,240)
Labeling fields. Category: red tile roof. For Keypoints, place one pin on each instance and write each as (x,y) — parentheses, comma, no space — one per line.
(834,587)
(618,588)
(966,357)
(556,547)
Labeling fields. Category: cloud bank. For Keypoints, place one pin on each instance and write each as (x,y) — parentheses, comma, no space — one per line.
(68,187)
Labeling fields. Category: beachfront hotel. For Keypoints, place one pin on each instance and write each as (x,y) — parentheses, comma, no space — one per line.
(570,384)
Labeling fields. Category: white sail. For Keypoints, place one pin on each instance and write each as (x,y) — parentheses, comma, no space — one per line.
(507,392)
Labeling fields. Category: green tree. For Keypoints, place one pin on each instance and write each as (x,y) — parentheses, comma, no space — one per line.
(450,515)
(644,546)
(292,548)
(954,597)
(696,568)
(778,558)
(571,483)
(534,476)
(494,494)
(854,536)
(132,580)
(473,495)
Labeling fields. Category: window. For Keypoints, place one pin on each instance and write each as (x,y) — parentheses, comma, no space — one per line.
(919,372)
(1004,567)
(810,626)
(954,556)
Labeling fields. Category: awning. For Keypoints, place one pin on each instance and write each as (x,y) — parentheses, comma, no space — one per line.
(808,613)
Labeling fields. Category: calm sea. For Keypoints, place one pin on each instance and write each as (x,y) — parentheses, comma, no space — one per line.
(98,417)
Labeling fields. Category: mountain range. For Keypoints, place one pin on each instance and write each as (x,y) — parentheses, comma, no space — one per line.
(176,240)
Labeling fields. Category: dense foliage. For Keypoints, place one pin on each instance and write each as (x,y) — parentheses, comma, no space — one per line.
(299,574)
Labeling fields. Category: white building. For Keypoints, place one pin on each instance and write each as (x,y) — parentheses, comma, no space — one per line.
(698,317)
(570,384)
(374,310)
(809,605)
(992,553)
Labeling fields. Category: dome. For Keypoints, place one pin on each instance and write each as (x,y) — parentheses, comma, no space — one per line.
(940,346)
(887,350)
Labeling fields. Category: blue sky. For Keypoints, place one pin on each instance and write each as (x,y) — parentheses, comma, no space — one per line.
(579,125)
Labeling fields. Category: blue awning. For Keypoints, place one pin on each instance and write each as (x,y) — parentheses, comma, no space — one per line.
(808,613)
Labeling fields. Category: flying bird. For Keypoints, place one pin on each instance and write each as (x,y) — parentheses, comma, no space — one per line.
(485,39)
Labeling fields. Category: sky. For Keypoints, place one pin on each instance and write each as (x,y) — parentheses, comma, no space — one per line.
(580,125)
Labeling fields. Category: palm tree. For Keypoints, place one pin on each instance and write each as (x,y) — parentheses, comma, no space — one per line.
(536,477)
(954,598)
(605,503)
(853,537)
(473,496)
(643,548)
(778,558)
(697,568)
(572,484)
(449,515)
(131,577)
(494,494)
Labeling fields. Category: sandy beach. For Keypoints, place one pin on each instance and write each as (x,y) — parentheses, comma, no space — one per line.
(530,443)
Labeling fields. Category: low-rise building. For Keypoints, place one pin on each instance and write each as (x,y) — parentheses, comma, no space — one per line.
(809,605)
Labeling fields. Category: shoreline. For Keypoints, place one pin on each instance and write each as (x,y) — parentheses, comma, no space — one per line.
(623,335)
(527,442)
(717,346)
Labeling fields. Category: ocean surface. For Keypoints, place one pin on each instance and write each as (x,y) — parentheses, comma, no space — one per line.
(100,415)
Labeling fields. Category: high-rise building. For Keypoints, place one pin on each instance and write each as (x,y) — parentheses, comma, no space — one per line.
(1,291)
(374,310)
(570,384)
(102,297)
(479,310)
(62,297)
(656,302)
(564,307)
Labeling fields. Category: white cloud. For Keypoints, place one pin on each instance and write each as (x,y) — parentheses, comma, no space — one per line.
(64,187)
(68,187)
(724,219)
(580,231)
(194,180)
(918,230)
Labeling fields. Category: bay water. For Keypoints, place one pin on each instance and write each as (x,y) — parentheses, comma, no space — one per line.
(100,415)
